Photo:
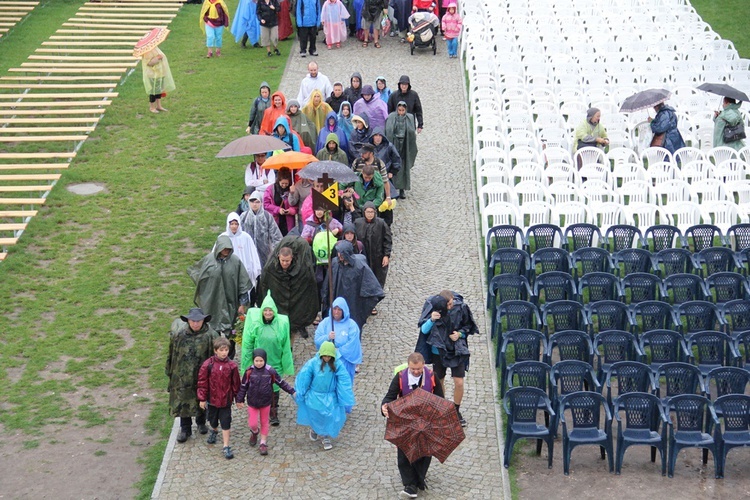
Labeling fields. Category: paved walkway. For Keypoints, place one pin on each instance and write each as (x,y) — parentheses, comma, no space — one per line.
(434,248)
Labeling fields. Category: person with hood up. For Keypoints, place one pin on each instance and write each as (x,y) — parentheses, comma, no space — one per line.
(316,110)
(246,26)
(333,17)
(368,157)
(350,235)
(382,88)
(266,329)
(354,91)
(316,223)
(591,133)
(353,280)
(214,17)
(259,224)
(324,391)
(191,341)
(260,105)
(375,234)
(244,247)
(664,127)
(268,16)
(410,97)
(271,114)
(284,132)
(336,97)
(290,275)
(340,329)
(345,118)
(451,25)
(331,126)
(244,204)
(157,78)
(331,151)
(360,135)
(257,387)
(301,124)
(729,116)
(387,153)
(373,106)
(281,201)
(222,287)
(401,131)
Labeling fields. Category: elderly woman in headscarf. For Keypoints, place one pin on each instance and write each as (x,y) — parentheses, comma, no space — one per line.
(259,224)
(591,133)
(316,110)
(401,131)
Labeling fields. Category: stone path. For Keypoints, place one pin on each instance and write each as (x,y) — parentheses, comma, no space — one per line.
(436,246)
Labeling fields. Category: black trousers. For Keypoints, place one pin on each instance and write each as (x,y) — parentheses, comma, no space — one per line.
(413,474)
(187,422)
(307,36)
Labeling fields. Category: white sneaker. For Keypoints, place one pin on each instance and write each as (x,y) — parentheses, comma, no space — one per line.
(313,435)
(327,445)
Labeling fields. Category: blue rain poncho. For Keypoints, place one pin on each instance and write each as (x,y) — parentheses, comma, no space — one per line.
(246,22)
(347,340)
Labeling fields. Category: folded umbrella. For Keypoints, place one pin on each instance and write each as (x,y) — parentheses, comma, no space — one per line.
(724,91)
(251,145)
(421,424)
(332,169)
(644,100)
(290,159)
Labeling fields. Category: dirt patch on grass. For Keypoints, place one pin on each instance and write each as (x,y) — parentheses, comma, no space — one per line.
(125,335)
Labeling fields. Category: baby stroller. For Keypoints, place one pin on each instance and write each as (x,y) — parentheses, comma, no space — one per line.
(423,28)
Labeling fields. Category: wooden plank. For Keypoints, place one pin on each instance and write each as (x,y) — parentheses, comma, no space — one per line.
(78,119)
(88,44)
(60,78)
(21,3)
(95,37)
(45,112)
(67,70)
(29,156)
(113,19)
(3,256)
(135,10)
(25,189)
(77,65)
(13,226)
(33,166)
(41,104)
(58,85)
(23,201)
(80,24)
(53,57)
(140,3)
(138,17)
(27,130)
(58,95)
(8,241)
(17,213)
(43,138)
(30,177)
(11,18)
(85,51)
(139,32)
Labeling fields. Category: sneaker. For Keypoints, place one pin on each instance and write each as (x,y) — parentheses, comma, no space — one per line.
(263,449)
(313,435)
(408,492)
(274,421)
(393,33)
(253,438)
(461,419)
(327,445)
(276,51)
(183,435)
(303,54)
(203,428)
(268,54)
(314,54)
(211,439)
(228,453)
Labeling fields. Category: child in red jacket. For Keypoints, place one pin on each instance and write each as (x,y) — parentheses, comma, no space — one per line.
(218,384)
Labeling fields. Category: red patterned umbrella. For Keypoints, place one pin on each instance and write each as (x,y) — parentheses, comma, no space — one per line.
(149,42)
(422,424)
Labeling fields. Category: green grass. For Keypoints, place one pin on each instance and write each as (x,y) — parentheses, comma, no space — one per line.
(729,18)
(91,289)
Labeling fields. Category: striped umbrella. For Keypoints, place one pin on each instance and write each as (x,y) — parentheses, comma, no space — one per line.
(149,42)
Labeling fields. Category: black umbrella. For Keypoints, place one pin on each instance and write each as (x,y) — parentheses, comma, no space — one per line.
(724,91)
(332,170)
(644,100)
(251,145)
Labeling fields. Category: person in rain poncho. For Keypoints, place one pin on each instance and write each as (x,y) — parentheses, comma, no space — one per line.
(331,126)
(259,107)
(222,287)
(214,17)
(373,106)
(245,26)
(401,131)
(345,118)
(375,234)
(244,246)
(259,224)
(333,17)
(266,329)
(157,78)
(343,331)
(359,136)
(381,86)
(591,133)
(331,151)
(316,110)
(665,124)
(729,116)
(324,391)
(301,123)
(271,114)
(283,131)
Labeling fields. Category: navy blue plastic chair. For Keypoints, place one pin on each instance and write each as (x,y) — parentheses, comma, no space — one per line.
(738,237)
(632,376)
(701,236)
(678,378)
(725,286)
(503,236)
(725,380)
(581,235)
(697,316)
(543,236)
(607,315)
(710,349)
(563,315)
(505,287)
(522,406)
(553,286)
(528,345)
(641,287)
(518,314)
(586,425)
(694,418)
(613,346)
(508,261)
(715,260)
(644,416)
(741,342)
(632,260)
(591,260)
(551,259)
(567,377)
(735,432)
(622,236)
(662,346)
(673,261)
(569,344)
(684,288)
(600,286)
(661,236)
(735,314)
(651,315)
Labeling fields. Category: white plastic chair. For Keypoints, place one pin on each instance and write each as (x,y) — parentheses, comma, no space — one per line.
(696,171)
(595,171)
(523,154)
(491,154)
(596,192)
(721,154)
(644,215)
(638,191)
(535,212)
(739,191)
(526,171)
(495,191)
(572,212)
(723,214)
(489,138)
(618,155)
(561,172)
(685,155)
(528,191)
(563,192)
(731,170)
(555,154)
(683,214)
(661,172)
(492,172)
(608,214)
(590,155)
(708,190)
(626,172)
(498,213)
(655,155)
(641,135)
(672,191)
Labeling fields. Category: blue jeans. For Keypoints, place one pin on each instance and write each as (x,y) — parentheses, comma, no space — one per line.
(452,46)
(213,36)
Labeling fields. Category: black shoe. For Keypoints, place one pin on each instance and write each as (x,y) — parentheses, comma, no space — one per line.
(212,437)
(183,435)
(303,54)
(303,333)
(461,419)
(314,54)
(228,453)
(244,41)
(274,421)
(408,492)
(256,45)
(269,54)
(203,428)
(276,51)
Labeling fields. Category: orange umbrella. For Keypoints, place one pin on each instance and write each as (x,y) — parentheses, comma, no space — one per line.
(149,42)
(290,159)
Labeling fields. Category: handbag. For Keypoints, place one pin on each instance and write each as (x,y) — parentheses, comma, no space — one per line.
(734,133)
(658,140)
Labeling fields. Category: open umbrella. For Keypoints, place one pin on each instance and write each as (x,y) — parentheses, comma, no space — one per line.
(332,169)
(724,91)
(422,424)
(644,100)
(289,159)
(150,41)
(251,145)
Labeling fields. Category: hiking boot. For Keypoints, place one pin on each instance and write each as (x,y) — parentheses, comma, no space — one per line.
(313,435)
(263,449)
(203,428)
(461,419)
(212,437)
(228,453)
(276,51)
(253,438)
(183,435)
(327,445)
(408,492)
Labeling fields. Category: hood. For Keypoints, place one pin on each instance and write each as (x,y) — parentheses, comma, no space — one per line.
(349,228)
(341,108)
(283,98)
(269,303)
(451,4)
(293,102)
(368,90)
(381,79)
(340,302)
(356,74)
(439,304)
(364,118)
(345,249)
(264,84)
(312,96)
(332,137)
(332,114)
(223,242)
(327,348)
(731,114)
(379,131)
(405,79)
(233,216)
(282,120)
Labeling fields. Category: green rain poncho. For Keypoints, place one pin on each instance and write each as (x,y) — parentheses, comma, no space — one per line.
(273,337)
(402,132)
(731,116)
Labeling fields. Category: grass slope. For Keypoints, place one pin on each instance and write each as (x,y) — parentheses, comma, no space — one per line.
(729,18)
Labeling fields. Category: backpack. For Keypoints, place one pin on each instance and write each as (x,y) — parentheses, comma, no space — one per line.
(321,245)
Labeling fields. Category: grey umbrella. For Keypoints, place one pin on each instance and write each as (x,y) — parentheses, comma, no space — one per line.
(251,145)
(724,91)
(644,100)
(329,170)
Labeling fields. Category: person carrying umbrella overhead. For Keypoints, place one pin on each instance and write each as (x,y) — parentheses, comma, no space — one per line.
(415,376)
(728,119)
(157,77)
